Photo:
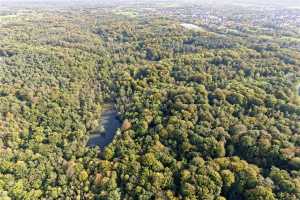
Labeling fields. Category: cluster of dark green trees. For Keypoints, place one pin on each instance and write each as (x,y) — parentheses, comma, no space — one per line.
(207,116)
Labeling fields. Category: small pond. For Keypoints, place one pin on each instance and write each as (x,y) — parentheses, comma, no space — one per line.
(110,123)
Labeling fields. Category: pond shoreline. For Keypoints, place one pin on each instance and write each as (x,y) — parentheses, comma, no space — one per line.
(110,122)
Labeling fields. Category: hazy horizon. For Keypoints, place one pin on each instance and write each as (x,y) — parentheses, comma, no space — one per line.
(287,3)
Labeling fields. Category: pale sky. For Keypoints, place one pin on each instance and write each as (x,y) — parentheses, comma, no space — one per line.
(285,3)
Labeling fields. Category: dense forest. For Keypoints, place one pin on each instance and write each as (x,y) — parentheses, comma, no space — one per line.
(211,114)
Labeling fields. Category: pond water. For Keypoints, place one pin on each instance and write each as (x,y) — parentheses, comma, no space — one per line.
(110,123)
